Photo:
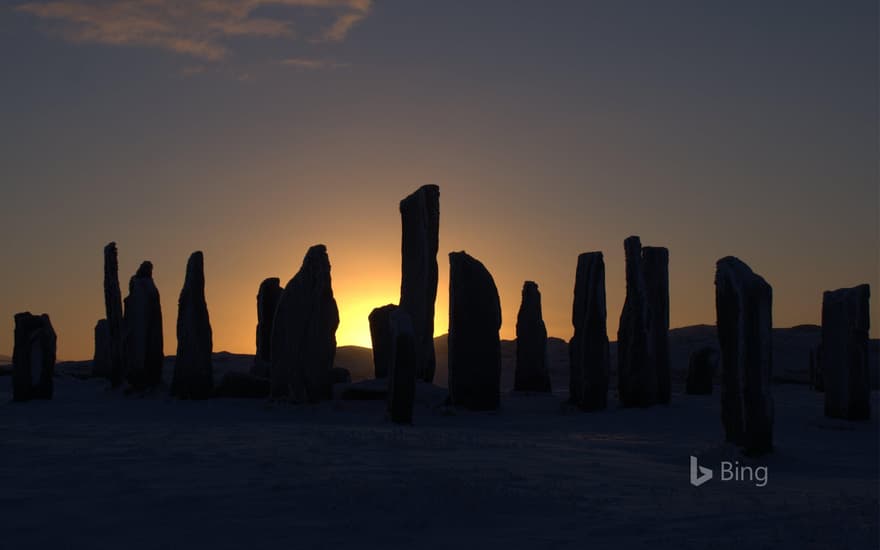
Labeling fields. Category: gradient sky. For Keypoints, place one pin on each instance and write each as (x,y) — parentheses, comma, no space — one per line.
(253,129)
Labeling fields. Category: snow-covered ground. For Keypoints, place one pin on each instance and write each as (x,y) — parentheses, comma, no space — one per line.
(94,469)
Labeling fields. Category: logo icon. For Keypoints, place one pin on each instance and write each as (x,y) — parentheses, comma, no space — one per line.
(699,474)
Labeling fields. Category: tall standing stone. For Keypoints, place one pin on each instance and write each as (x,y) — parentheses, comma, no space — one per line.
(845,374)
(643,336)
(267,302)
(143,341)
(402,370)
(743,304)
(33,357)
(531,372)
(588,349)
(381,337)
(474,344)
(655,267)
(101,358)
(193,366)
(113,314)
(420,220)
(304,332)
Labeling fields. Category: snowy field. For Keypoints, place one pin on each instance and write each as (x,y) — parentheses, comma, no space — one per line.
(94,469)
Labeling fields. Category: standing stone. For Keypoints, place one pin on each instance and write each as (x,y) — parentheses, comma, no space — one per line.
(113,314)
(531,372)
(845,325)
(380,334)
(304,333)
(588,349)
(702,365)
(420,219)
(101,359)
(743,304)
(143,331)
(474,344)
(33,357)
(643,336)
(193,366)
(655,267)
(402,370)
(267,303)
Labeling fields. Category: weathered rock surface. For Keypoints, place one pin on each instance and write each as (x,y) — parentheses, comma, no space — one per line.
(33,357)
(113,314)
(643,336)
(142,322)
(420,219)
(304,333)
(589,349)
(193,367)
(402,370)
(844,356)
(702,365)
(531,372)
(474,344)
(267,302)
(101,360)
(380,335)
(743,304)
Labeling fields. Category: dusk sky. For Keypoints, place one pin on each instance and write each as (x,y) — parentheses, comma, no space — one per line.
(253,129)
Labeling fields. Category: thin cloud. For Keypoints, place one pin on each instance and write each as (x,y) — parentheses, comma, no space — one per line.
(197,28)
(309,64)
(192,70)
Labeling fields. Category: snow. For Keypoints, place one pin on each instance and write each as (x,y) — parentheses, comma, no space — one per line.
(95,469)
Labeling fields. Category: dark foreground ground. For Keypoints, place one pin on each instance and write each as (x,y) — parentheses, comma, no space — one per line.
(94,469)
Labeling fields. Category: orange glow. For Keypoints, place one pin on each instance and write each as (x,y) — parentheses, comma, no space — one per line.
(354,326)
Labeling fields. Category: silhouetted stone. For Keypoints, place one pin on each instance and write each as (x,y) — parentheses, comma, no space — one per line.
(101,359)
(267,303)
(420,219)
(113,312)
(701,371)
(33,357)
(340,375)
(143,331)
(474,345)
(643,335)
(531,372)
(743,304)
(655,268)
(588,349)
(193,367)
(380,335)
(816,381)
(304,332)
(402,370)
(242,385)
(845,325)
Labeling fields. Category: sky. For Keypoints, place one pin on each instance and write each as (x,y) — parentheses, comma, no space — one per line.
(253,129)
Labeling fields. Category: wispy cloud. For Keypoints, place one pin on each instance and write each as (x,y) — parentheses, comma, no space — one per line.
(198,28)
(309,64)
